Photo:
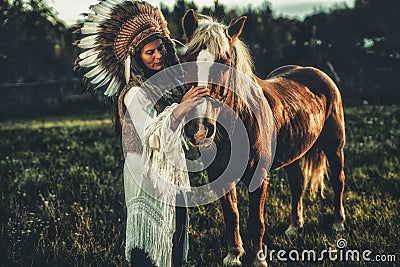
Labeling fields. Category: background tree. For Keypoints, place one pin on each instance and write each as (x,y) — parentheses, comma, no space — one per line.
(359,47)
(34,44)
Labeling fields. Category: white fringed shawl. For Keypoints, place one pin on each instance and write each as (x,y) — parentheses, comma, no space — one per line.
(163,157)
(152,215)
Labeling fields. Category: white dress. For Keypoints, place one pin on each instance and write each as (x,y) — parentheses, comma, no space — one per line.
(150,198)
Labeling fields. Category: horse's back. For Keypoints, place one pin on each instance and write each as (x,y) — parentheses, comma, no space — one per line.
(301,99)
(314,79)
(308,78)
(281,71)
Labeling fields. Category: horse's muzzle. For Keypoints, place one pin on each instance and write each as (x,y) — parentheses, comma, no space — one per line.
(202,136)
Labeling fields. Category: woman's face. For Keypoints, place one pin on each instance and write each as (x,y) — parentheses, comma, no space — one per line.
(152,55)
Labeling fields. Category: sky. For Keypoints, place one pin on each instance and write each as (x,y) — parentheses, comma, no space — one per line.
(69,10)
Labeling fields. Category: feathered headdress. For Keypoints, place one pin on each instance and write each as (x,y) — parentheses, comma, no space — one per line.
(112,31)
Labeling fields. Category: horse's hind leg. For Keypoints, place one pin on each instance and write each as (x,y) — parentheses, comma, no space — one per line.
(256,223)
(231,217)
(296,183)
(336,163)
(333,139)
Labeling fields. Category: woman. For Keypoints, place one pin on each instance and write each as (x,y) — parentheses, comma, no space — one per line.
(140,193)
(129,43)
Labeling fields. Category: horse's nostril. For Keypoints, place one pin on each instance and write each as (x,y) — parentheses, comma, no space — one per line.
(188,128)
(210,128)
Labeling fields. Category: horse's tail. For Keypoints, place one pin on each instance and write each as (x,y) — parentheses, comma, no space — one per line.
(315,168)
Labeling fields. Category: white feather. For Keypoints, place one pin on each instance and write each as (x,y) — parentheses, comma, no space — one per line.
(88,53)
(93,72)
(99,77)
(93,64)
(107,4)
(101,10)
(89,61)
(87,46)
(112,87)
(89,30)
(90,24)
(127,71)
(88,42)
(104,82)
(112,2)
(89,39)
(95,18)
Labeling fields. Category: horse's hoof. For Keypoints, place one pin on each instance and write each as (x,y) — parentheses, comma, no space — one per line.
(258,263)
(232,260)
(292,230)
(338,227)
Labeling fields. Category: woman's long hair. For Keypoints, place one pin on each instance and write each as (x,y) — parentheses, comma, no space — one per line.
(140,76)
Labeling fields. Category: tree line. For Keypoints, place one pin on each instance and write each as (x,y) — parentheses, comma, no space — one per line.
(358,47)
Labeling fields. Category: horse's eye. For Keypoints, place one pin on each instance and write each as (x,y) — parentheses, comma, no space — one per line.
(203,47)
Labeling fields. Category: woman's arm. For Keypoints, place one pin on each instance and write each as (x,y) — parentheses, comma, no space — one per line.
(140,108)
(142,111)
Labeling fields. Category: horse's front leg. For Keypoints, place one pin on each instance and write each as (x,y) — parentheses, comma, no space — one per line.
(231,217)
(256,224)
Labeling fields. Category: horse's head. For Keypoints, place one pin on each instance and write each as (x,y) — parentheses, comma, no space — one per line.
(212,46)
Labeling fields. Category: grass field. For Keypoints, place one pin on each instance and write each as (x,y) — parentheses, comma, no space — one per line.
(62,201)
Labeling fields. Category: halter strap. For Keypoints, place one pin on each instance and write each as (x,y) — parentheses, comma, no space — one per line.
(233,77)
(234,74)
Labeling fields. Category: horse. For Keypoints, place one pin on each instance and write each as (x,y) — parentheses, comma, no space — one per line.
(308,121)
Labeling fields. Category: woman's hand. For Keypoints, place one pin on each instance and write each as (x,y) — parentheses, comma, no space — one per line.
(198,91)
(191,99)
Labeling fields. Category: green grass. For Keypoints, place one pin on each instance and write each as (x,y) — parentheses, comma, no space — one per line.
(62,200)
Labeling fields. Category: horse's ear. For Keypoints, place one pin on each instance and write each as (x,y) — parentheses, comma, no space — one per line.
(190,23)
(235,29)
